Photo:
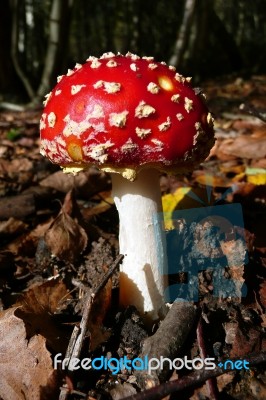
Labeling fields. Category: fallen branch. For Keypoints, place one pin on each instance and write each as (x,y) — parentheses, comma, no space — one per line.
(253,111)
(211,383)
(194,379)
(168,340)
(11,107)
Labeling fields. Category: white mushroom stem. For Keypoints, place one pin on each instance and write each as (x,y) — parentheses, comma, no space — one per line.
(141,279)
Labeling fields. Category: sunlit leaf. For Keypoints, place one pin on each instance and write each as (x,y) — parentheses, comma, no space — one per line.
(256,175)
(170,202)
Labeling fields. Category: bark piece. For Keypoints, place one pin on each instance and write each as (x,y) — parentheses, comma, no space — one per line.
(168,340)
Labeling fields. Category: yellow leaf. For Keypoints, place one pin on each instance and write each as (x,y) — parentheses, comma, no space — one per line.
(170,202)
(257,176)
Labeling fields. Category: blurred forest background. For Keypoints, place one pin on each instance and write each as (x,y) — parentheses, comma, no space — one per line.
(40,39)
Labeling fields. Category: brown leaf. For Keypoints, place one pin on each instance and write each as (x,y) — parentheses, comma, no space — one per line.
(218,152)
(86,183)
(249,125)
(66,238)
(19,169)
(16,165)
(258,388)
(244,147)
(19,206)
(70,206)
(37,307)
(11,226)
(25,366)
(26,244)
(224,380)
(245,342)
(47,297)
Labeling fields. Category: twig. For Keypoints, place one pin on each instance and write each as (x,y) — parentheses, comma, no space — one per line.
(210,383)
(81,285)
(253,111)
(12,107)
(79,333)
(87,309)
(108,274)
(195,378)
(72,341)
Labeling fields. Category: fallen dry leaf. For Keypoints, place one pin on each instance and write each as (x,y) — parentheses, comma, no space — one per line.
(18,207)
(19,170)
(66,238)
(249,125)
(16,165)
(86,182)
(244,147)
(26,243)
(258,388)
(245,342)
(11,226)
(47,297)
(37,306)
(25,366)
(224,380)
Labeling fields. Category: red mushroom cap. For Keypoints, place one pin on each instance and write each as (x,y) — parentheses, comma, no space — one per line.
(124,113)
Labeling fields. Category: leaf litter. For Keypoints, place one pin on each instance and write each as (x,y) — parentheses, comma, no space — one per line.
(59,239)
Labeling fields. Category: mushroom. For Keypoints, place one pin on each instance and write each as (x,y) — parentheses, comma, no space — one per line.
(134,118)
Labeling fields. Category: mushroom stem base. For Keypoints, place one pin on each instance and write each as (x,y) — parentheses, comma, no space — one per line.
(141,279)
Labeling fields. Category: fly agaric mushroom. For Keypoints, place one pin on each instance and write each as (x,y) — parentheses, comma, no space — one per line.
(131,117)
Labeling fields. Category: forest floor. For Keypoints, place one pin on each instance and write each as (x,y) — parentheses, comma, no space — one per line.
(58,239)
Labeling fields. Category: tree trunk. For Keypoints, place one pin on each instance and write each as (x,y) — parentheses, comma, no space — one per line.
(14,49)
(183,34)
(57,44)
